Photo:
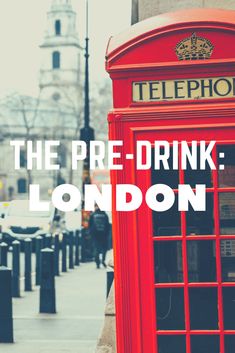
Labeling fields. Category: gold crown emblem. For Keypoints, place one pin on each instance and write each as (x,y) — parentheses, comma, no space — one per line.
(194,48)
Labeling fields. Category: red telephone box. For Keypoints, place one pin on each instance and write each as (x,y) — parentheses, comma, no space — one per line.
(173,80)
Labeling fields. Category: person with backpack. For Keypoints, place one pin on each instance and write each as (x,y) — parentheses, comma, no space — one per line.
(99,230)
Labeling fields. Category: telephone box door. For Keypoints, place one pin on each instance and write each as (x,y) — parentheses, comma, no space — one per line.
(187,267)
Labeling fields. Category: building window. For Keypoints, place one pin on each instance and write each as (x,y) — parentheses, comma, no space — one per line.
(56,60)
(57,27)
(56,96)
(22,186)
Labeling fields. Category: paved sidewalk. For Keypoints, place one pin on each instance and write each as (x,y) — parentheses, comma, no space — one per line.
(75,328)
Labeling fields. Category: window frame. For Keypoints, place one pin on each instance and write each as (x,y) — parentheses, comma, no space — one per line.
(56,60)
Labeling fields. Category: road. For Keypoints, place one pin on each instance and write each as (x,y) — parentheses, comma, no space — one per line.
(80,296)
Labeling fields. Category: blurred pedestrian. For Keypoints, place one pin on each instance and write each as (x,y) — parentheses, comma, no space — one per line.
(99,230)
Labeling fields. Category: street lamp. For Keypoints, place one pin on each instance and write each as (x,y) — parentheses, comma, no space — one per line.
(86,135)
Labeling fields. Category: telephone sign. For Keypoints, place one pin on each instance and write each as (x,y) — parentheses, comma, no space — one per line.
(173,80)
(170,90)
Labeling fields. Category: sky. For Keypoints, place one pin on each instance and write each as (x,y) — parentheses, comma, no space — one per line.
(22,26)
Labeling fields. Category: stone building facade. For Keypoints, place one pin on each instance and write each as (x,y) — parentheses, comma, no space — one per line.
(55,114)
(60,74)
(142,9)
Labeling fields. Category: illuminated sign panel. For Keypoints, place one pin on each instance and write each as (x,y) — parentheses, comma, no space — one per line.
(183,89)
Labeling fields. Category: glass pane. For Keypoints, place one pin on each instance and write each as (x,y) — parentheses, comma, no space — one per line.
(229,308)
(193,177)
(201,261)
(161,224)
(171,344)
(201,222)
(227,250)
(169,177)
(168,261)
(170,308)
(227,213)
(205,344)
(203,308)
(229,343)
(226,176)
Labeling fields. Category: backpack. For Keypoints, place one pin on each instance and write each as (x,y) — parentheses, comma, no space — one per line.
(99,221)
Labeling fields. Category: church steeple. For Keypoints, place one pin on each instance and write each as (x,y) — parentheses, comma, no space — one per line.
(61,51)
(61,2)
(61,22)
(61,5)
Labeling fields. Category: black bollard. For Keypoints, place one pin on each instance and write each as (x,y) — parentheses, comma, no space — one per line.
(76,240)
(28,265)
(71,253)
(83,252)
(87,246)
(56,254)
(16,269)
(48,240)
(109,280)
(38,248)
(47,288)
(6,320)
(43,241)
(64,252)
(3,254)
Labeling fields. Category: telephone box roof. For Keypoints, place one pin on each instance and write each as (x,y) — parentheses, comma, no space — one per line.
(178,19)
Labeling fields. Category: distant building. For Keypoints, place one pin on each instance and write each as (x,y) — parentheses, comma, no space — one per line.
(60,75)
(56,114)
(142,9)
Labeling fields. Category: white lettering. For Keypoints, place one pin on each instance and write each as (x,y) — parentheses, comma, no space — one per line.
(93,196)
(114,155)
(78,145)
(122,190)
(146,146)
(58,194)
(49,155)
(17,145)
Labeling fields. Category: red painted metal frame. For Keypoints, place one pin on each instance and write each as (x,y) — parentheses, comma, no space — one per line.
(137,60)
(184,239)
(136,233)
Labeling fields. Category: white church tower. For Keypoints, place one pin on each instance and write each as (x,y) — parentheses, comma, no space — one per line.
(60,68)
